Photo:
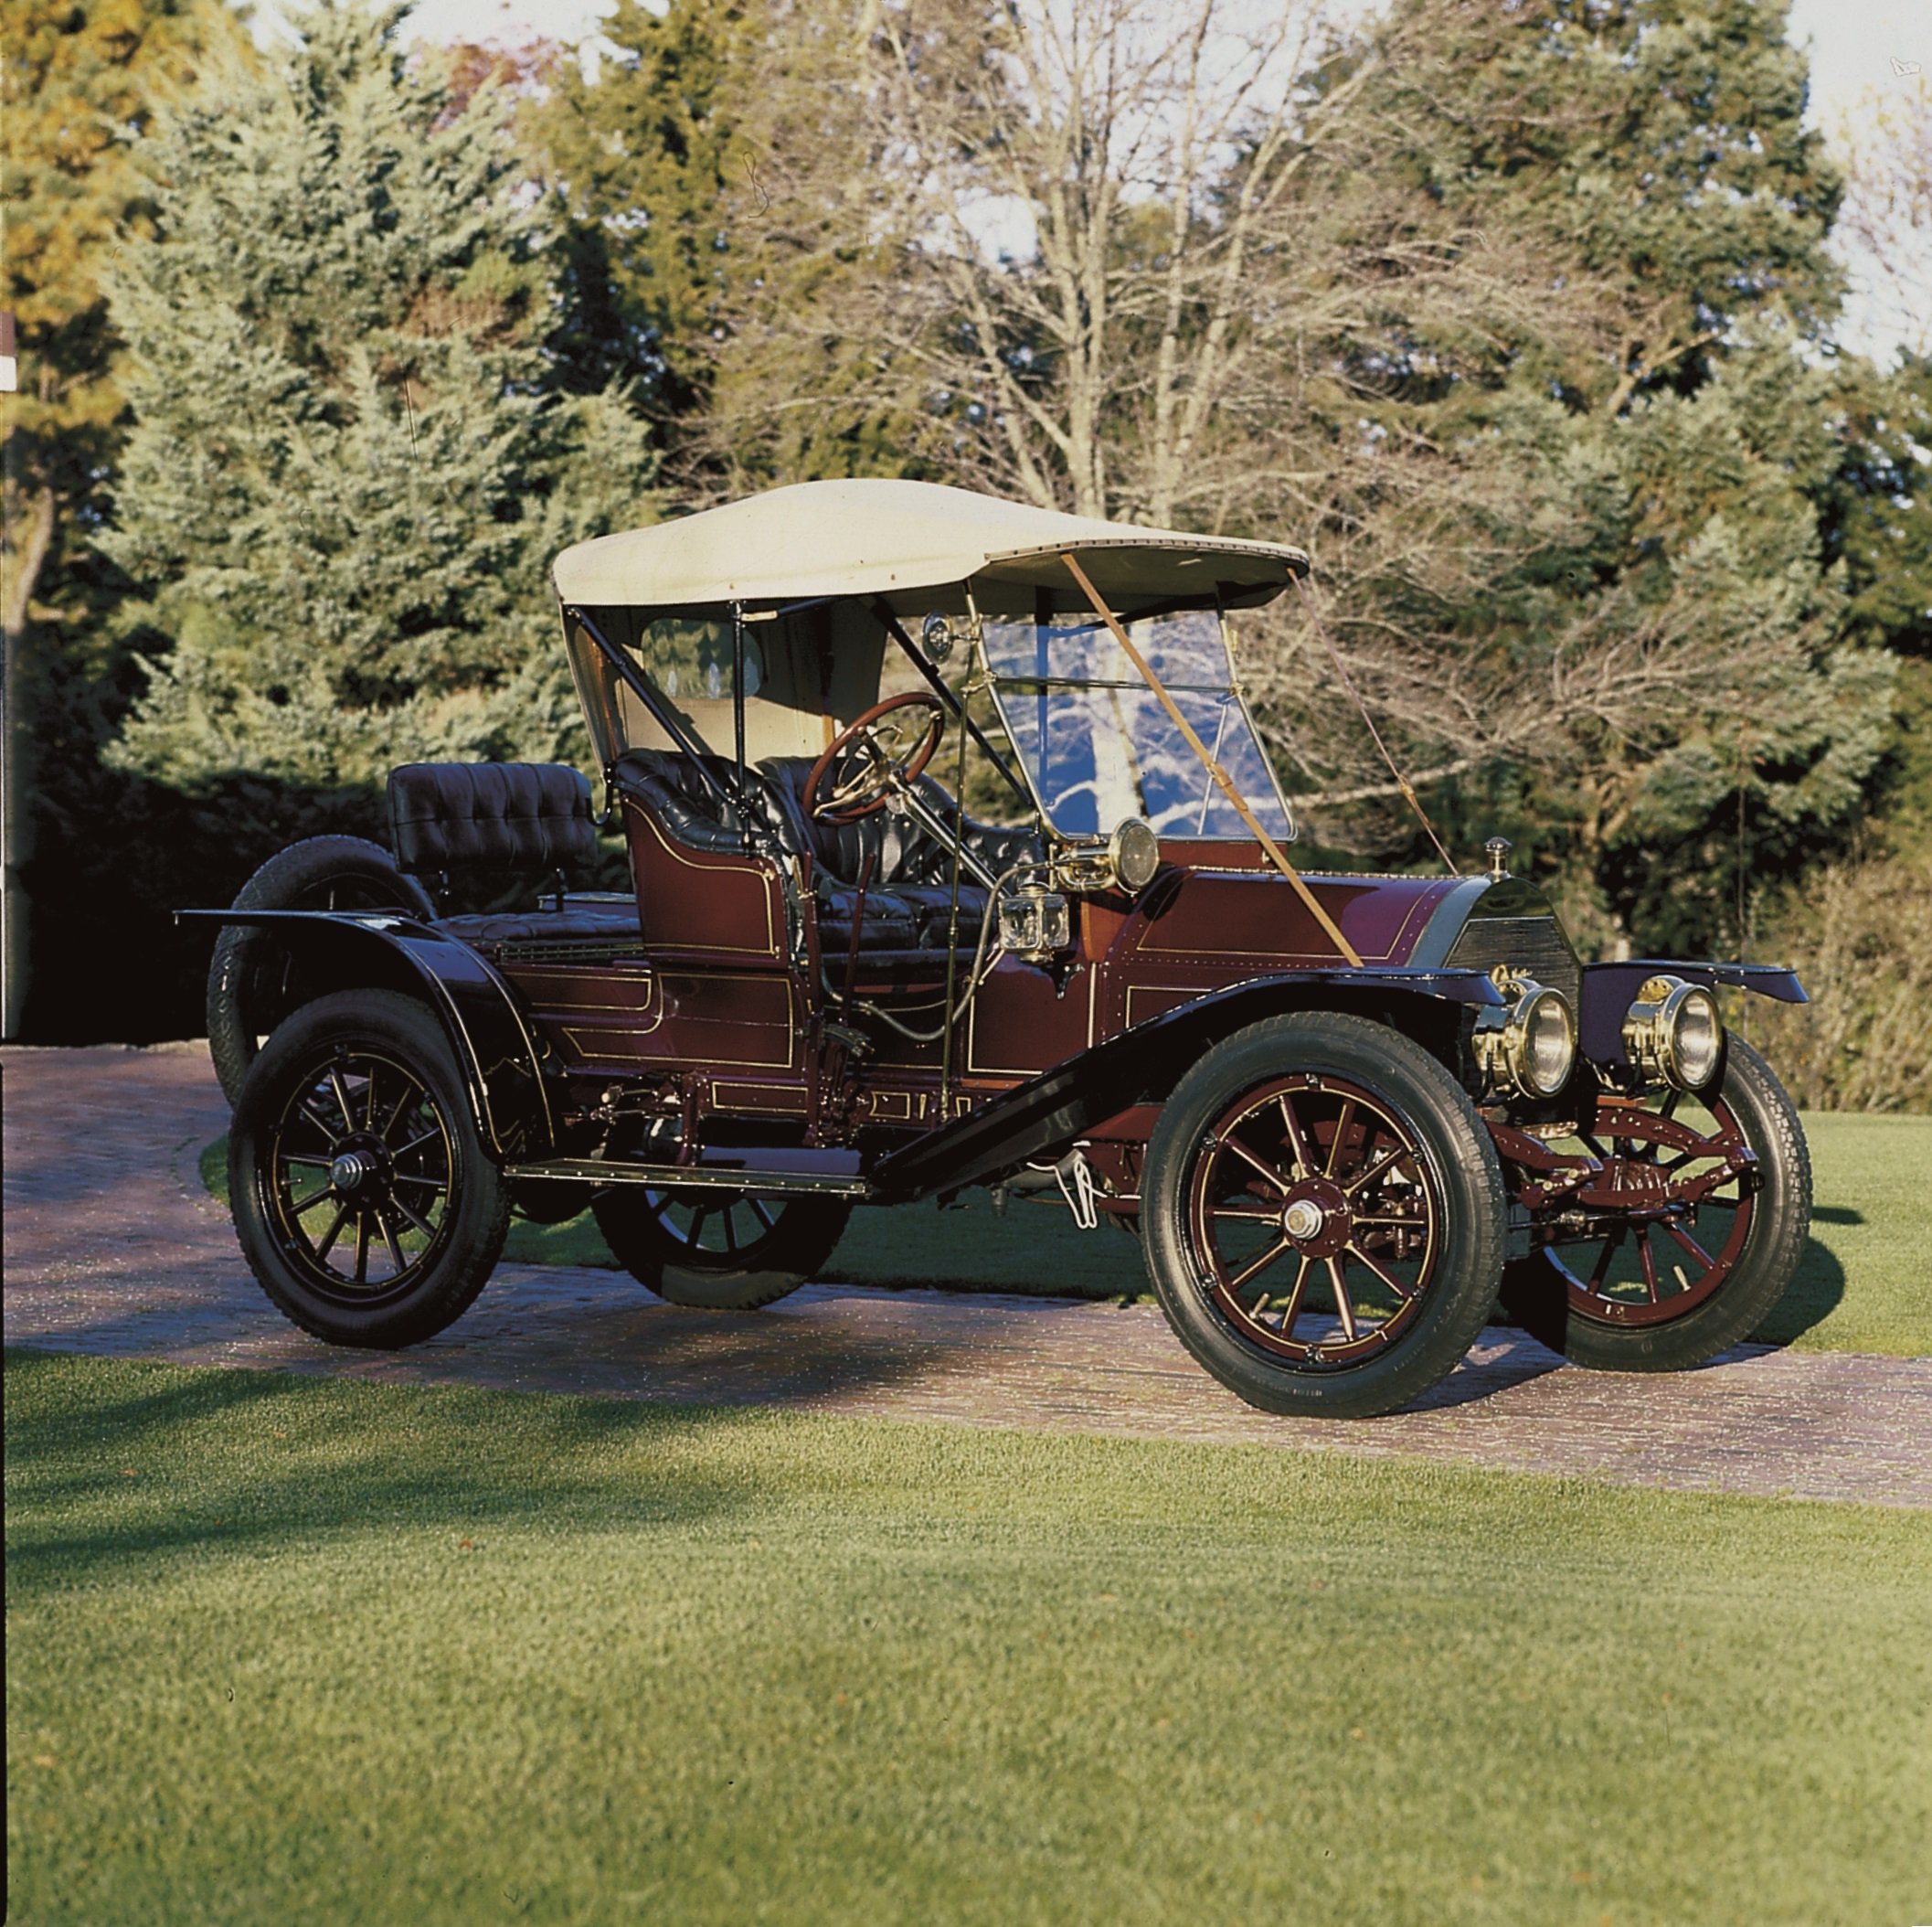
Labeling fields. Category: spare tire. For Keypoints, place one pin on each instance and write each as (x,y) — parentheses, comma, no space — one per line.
(251,980)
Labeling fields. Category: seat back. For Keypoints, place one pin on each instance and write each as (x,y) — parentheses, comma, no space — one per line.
(672,786)
(446,817)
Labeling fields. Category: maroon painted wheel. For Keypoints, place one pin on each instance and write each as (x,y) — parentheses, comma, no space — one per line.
(1316,1220)
(1322,1216)
(360,1171)
(1686,1180)
(718,1251)
(1685,1239)
(363,1198)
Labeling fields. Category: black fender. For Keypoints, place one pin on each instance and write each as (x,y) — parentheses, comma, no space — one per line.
(1609,989)
(479,1015)
(1142,1063)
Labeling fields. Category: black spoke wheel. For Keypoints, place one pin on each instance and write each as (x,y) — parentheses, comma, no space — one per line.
(1322,1215)
(716,1249)
(363,1199)
(1690,1237)
(253,981)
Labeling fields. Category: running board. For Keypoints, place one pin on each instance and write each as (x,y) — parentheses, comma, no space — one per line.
(708,1177)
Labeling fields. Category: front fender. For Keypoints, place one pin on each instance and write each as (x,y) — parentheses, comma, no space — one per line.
(479,1015)
(1609,989)
(1142,1064)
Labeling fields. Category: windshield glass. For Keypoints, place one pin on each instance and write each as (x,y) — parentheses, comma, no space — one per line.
(1098,745)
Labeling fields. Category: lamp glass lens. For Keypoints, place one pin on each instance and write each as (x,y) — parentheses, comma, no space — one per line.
(1696,1034)
(1552,1041)
(1137,854)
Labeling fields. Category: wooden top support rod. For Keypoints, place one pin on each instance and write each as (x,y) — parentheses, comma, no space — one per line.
(1275,853)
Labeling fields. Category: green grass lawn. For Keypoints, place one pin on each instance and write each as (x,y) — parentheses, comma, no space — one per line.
(284,1648)
(1862,1287)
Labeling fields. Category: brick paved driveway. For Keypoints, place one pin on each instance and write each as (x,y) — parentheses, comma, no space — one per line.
(112,1246)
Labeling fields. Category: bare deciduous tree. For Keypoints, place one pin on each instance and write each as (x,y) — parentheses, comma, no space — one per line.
(1885,225)
(1210,265)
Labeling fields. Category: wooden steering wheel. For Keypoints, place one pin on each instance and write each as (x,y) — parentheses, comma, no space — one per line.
(885,759)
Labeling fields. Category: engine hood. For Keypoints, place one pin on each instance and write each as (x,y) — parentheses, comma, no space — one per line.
(1408,922)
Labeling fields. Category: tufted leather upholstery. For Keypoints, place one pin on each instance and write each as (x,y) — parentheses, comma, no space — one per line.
(587,918)
(908,902)
(490,816)
(677,795)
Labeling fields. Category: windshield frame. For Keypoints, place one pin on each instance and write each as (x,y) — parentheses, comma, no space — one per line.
(1228,690)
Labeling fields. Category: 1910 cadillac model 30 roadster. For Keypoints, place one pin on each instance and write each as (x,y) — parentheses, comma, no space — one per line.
(1340,1112)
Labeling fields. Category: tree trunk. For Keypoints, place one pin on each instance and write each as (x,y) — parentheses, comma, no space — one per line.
(23,573)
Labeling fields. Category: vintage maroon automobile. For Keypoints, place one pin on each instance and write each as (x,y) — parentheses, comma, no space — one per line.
(1340,1112)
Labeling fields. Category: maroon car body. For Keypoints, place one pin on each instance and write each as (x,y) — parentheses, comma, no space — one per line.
(1342,1112)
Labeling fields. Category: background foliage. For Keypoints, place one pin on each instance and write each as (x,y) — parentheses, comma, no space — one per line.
(1522,319)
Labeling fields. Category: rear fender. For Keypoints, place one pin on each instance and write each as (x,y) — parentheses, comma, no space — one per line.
(495,1047)
(1143,1065)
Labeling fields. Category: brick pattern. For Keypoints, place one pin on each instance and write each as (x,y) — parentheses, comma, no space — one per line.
(112,1247)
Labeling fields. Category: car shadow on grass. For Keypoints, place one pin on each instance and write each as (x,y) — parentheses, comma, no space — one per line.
(108,1462)
(1815,1292)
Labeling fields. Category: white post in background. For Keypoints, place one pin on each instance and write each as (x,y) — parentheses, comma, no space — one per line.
(13,899)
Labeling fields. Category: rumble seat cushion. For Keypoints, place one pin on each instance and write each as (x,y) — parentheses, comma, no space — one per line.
(603,920)
(511,816)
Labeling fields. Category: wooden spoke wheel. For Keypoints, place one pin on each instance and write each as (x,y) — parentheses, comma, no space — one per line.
(717,1250)
(362,1172)
(362,1195)
(1317,1219)
(1689,1236)
(1691,1182)
(1322,1216)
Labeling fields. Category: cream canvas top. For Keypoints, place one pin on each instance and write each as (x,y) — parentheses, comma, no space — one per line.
(888,538)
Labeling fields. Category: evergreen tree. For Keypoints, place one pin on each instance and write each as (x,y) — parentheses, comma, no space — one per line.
(640,159)
(352,463)
(727,241)
(77,86)
(1614,481)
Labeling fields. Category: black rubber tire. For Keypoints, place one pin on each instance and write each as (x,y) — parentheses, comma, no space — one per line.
(1463,1169)
(455,1265)
(249,987)
(776,1262)
(1535,1297)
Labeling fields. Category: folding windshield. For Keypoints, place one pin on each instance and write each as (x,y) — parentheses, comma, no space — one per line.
(1098,745)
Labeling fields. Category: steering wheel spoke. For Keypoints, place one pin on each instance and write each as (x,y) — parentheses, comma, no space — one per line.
(867,764)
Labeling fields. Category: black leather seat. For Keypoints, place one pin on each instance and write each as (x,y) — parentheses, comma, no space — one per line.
(491,816)
(908,901)
(672,786)
(510,819)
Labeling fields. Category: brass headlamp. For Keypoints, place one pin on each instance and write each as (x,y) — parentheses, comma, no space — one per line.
(1673,1032)
(1126,860)
(1527,1045)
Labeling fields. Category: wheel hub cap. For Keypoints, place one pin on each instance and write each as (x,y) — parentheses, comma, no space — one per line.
(1317,1217)
(351,1171)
